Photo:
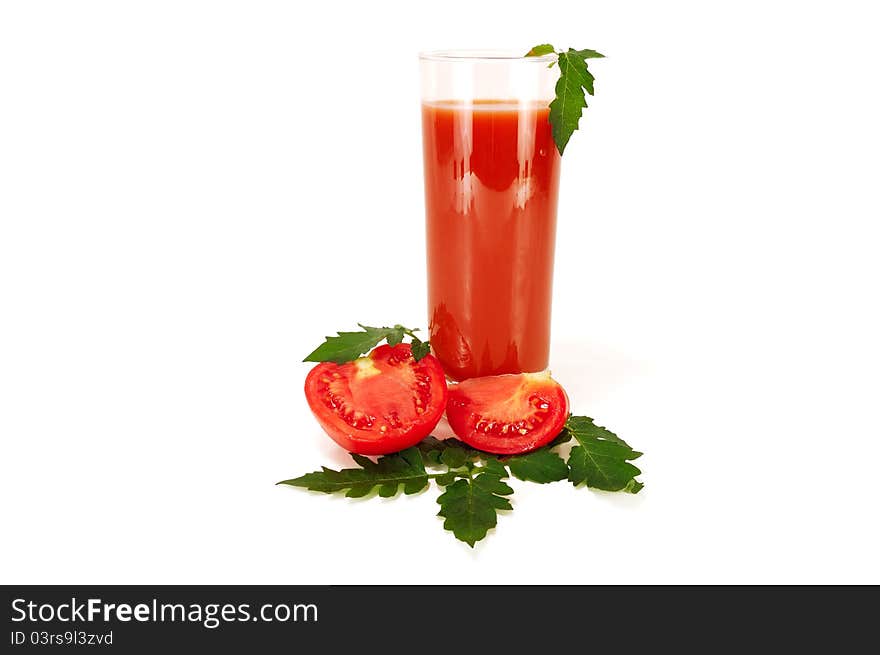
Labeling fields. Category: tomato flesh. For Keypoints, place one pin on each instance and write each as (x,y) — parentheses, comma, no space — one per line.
(380,403)
(507,414)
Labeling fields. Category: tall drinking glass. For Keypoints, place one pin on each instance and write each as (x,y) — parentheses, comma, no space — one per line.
(491,186)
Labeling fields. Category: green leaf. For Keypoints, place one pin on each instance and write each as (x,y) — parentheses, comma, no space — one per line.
(470,506)
(446,479)
(388,473)
(584,424)
(539,466)
(433,448)
(453,457)
(601,459)
(395,336)
(589,54)
(575,81)
(570,101)
(493,466)
(348,346)
(419,348)
(541,50)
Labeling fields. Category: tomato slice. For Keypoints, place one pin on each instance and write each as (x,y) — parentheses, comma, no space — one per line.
(380,403)
(507,414)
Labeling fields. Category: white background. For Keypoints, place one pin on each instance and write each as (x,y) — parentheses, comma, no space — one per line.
(193,193)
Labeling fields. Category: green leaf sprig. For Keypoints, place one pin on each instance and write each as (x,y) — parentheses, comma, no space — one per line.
(348,346)
(473,481)
(575,81)
(600,459)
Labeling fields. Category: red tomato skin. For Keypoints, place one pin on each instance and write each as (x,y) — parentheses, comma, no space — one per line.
(371,442)
(461,411)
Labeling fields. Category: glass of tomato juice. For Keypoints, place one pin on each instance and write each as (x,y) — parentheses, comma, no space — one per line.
(491,187)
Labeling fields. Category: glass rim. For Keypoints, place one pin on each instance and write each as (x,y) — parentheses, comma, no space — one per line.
(480,54)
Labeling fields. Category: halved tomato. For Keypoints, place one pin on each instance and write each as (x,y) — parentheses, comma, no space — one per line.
(507,414)
(380,403)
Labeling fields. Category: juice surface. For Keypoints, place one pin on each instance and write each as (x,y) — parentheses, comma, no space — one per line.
(491,184)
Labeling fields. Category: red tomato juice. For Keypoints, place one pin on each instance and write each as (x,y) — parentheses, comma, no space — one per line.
(491,184)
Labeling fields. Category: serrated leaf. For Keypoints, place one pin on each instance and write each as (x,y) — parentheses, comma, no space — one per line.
(586,53)
(388,473)
(601,459)
(585,425)
(419,348)
(541,50)
(570,101)
(432,449)
(493,466)
(446,479)
(395,335)
(470,507)
(453,457)
(541,466)
(491,483)
(348,346)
